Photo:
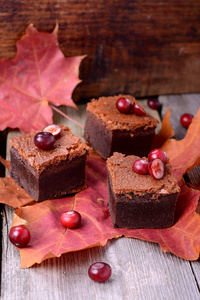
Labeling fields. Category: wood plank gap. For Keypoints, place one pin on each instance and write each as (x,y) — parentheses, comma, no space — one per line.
(195,277)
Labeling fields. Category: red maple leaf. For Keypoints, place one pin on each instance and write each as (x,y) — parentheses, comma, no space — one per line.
(185,154)
(50,239)
(37,76)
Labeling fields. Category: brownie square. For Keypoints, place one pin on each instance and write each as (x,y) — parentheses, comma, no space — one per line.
(108,131)
(48,174)
(140,201)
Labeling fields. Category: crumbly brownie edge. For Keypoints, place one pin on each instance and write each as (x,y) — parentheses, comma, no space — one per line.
(97,135)
(25,175)
(40,185)
(105,141)
(135,212)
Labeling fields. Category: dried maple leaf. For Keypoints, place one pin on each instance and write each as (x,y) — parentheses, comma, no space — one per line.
(12,194)
(37,76)
(5,162)
(54,239)
(50,239)
(183,238)
(185,154)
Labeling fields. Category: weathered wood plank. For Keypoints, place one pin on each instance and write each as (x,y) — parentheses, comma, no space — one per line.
(148,48)
(141,270)
(196,271)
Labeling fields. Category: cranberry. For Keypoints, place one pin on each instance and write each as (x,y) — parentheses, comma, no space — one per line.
(157,153)
(70,219)
(154,103)
(157,168)
(140,166)
(186,120)
(124,105)
(44,140)
(99,271)
(54,129)
(19,236)
(138,110)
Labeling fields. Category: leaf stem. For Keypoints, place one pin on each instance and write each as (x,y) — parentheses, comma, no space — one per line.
(66,116)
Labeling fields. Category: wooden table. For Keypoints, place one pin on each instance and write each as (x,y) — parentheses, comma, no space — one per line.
(140,270)
(142,48)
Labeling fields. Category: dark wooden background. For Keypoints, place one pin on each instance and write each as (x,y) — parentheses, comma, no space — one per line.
(143,48)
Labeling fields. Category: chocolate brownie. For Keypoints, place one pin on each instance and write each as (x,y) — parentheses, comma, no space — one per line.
(140,201)
(108,131)
(48,174)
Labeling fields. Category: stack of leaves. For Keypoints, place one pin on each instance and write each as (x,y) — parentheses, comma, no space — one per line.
(48,237)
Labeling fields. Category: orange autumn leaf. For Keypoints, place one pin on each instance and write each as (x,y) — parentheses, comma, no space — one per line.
(185,154)
(54,239)
(38,78)
(12,194)
(5,162)
(50,239)
(183,238)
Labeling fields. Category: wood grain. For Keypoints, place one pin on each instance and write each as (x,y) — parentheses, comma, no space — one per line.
(141,48)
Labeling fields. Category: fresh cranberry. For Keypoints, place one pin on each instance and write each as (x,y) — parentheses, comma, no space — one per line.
(153,103)
(141,166)
(157,153)
(70,219)
(19,236)
(54,129)
(186,120)
(124,105)
(44,140)
(138,110)
(157,168)
(99,271)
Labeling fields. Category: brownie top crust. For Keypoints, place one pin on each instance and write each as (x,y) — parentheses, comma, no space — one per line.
(105,109)
(125,180)
(66,147)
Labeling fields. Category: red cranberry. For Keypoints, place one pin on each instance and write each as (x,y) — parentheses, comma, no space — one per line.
(124,105)
(99,271)
(54,129)
(157,168)
(153,103)
(44,140)
(186,120)
(70,219)
(157,153)
(140,166)
(19,236)
(138,110)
